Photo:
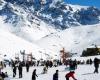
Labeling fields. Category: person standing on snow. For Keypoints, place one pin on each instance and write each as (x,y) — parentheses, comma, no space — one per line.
(14,70)
(27,66)
(96,65)
(55,76)
(34,75)
(20,68)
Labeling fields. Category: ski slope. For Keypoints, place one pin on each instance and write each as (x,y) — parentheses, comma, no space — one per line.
(11,43)
(83,72)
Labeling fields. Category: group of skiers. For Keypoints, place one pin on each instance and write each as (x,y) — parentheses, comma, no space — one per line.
(56,75)
(72,64)
(72,67)
(19,65)
(48,64)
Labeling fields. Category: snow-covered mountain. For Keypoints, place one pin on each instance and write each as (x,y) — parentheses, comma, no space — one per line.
(53,12)
(25,23)
(44,16)
(74,40)
(50,24)
(11,45)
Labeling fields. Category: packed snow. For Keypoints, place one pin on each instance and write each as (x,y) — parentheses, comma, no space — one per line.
(83,72)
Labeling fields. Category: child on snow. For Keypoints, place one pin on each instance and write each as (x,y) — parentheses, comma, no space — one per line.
(44,70)
(4,76)
(70,74)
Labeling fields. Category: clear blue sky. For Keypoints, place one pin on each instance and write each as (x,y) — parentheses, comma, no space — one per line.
(95,3)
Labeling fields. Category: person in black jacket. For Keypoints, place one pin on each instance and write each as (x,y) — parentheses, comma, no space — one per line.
(96,65)
(14,70)
(55,76)
(34,75)
(27,66)
(20,70)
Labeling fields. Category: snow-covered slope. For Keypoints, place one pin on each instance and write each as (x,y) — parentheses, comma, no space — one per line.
(10,45)
(74,39)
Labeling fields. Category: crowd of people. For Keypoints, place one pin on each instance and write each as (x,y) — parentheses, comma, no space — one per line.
(69,63)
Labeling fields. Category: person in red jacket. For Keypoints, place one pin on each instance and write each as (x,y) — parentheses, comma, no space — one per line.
(70,74)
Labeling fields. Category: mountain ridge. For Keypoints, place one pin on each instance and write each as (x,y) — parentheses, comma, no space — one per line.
(61,15)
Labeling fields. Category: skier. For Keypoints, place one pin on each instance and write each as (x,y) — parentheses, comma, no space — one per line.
(51,64)
(38,63)
(27,66)
(90,61)
(34,75)
(20,70)
(47,64)
(44,70)
(14,70)
(55,76)
(96,65)
(75,63)
(70,74)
